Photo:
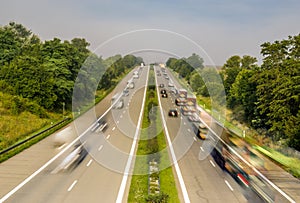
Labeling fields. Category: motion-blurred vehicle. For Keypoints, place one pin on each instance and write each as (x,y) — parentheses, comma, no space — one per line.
(100,126)
(164,95)
(130,85)
(163,91)
(173,113)
(161,85)
(81,153)
(200,130)
(63,137)
(171,84)
(119,104)
(173,90)
(188,110)
(125,92)
(194,118)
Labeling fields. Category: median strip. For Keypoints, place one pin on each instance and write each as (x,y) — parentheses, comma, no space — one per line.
(150,183)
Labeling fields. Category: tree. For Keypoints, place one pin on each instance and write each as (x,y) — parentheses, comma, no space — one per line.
(278,89)
(195,61)
(244,93)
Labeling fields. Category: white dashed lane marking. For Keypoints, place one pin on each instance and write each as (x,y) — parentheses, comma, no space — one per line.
(212,163)
(228,185)
(73,184)
(89,163)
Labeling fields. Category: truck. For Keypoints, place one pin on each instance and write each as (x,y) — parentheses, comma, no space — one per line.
(182,97)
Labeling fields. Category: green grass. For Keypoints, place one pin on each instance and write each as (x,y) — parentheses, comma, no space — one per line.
(289,163)
(139,183)
(31,142)
(17,127)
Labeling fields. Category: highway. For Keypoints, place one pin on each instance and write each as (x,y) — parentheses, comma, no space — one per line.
(98,176)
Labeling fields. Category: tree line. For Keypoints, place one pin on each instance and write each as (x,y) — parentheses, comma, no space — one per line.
(266,96)
(45,71)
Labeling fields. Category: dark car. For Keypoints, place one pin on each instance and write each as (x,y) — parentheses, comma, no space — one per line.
(163,91)
(161,85)
(173,113)
(164,95)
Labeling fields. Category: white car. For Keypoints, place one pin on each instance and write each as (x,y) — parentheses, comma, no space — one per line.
(171,84)
(119,104)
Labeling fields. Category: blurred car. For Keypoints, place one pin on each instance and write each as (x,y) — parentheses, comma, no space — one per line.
(119,104)
(125,92)
(163,91)
(173,113)
(194,118)
(164,95)
(130,85)
(101,126)
(81,153)
(63,137)
(200,130)
(171,84)
(161,85)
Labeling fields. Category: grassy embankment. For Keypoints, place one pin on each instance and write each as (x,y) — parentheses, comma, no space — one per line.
(150,149)
(21,118)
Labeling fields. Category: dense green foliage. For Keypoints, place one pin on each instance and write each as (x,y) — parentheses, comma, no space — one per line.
(268,95)
(204,81)
(46,72)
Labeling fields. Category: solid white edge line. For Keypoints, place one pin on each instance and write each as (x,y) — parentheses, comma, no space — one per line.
(228,185)
(73,184)
(132,150)
(89,163)
(177,169)
(5,197)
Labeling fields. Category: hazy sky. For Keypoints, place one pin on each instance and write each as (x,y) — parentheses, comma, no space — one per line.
(222,28)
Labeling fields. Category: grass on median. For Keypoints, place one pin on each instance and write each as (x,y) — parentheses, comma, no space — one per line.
(139,183)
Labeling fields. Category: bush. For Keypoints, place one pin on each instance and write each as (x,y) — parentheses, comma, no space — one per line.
(159,198)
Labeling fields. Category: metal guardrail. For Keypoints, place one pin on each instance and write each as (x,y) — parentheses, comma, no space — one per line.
(30,138)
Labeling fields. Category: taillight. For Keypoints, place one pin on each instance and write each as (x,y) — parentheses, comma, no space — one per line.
(243,179)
